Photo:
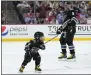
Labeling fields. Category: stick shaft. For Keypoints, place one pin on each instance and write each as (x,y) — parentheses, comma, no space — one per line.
(51,39)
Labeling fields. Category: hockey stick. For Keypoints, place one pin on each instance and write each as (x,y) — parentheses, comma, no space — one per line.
(51,39)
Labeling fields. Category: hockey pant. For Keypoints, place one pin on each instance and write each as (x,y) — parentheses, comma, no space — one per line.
(27,58)
(67,38)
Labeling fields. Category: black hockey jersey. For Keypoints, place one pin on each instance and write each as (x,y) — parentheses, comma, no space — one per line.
(70,19)
(33,46)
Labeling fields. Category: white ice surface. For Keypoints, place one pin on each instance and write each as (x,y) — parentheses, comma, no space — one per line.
(13,55)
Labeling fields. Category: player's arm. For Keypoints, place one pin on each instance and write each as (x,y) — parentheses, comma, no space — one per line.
(74,21)
(66,21)
(64,25)
(28,46)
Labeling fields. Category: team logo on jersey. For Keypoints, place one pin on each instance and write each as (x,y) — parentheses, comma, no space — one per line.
(4,31)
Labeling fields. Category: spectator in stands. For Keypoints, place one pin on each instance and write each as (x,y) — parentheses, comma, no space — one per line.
(23,4)
(50,12)
(60,16)
(50,17)
(42,13)
(2,18)
(83,19)
(89,13)
(29,18)
(89,10)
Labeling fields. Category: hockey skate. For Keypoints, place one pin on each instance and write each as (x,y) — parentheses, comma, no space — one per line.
(21,69)
(62,56)
(37,68)
(72,57)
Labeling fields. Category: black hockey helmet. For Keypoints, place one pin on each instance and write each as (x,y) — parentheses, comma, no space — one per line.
(38,34)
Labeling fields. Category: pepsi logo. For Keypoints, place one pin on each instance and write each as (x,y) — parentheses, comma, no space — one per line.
(4,31)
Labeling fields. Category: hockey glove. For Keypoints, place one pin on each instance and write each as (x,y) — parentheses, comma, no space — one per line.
(59,30)
(27,49)
(28,53)
(42,47)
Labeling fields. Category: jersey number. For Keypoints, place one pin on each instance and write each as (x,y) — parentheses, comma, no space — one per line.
(73,13)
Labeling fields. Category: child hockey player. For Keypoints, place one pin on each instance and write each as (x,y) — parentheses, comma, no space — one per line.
(31,51)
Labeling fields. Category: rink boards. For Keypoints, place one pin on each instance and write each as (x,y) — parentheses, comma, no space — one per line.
(12,33)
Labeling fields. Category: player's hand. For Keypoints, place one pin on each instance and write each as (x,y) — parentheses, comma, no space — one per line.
(59,30)
(42,47)
(28,53)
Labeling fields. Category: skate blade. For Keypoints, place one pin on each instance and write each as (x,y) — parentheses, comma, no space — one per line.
(71,60)
(63,59)
(37,71)
(20,72)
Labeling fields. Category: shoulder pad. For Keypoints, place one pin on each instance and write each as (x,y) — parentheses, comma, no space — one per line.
(33,41)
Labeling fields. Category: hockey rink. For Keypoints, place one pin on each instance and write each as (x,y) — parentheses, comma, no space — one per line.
(13,55)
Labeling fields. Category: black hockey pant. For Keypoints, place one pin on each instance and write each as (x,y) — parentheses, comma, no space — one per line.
(36,57)
(67,38)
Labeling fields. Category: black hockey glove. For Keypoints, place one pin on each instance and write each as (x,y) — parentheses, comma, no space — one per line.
(27,46)
(59,30)
(42,47)
(28,53)
(27,49)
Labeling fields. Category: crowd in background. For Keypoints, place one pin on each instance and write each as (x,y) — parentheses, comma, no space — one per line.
(3,18)
(52,12)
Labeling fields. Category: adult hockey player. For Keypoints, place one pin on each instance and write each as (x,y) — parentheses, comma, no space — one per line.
(68,30)
(31,51)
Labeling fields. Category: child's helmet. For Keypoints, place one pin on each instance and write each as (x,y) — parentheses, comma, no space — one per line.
(38,34)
